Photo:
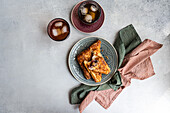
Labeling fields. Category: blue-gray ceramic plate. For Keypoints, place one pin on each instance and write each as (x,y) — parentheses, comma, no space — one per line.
(108,52)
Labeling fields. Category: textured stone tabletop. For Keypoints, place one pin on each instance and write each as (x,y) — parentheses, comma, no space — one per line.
(34,76)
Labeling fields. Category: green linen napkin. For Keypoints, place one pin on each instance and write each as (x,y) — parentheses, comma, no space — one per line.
(127,40)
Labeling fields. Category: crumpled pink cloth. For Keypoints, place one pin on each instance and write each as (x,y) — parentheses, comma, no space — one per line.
(136,65)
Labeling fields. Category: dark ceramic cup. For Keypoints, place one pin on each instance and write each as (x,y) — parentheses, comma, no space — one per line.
(87,4)
(58,29)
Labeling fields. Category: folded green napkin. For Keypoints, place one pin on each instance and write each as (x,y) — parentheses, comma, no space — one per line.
(127,40)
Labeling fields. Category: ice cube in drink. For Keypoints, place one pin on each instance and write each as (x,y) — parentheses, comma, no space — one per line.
(56,32)
(58,24)
(88,18)
(84,10)
(93,8)
(64,29)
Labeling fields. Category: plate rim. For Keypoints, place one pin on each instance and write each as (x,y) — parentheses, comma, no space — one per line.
(70,64)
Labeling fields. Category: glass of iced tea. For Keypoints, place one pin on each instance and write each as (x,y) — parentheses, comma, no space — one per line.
(58,29)
(89,12)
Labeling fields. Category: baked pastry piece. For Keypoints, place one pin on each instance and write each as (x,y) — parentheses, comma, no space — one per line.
(84,56)
(97,77)
(98,64)
(92,62)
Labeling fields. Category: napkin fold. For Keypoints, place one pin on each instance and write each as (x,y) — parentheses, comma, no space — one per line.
(136,65)
(127,40)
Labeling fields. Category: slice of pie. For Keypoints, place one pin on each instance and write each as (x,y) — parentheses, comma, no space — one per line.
(98,64)
(97,77)
(92,62)
(84,55)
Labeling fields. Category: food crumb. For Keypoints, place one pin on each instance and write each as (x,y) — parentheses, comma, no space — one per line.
(107,57)
(102,50)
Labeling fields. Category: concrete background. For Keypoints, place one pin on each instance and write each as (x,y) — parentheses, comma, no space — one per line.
(34,77)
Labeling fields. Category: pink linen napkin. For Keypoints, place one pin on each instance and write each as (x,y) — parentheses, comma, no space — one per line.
(136,65)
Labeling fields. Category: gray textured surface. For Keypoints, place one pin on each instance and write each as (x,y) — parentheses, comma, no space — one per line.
(34,76)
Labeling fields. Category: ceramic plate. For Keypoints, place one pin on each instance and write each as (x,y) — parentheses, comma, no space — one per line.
(79,25)
(107,50)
